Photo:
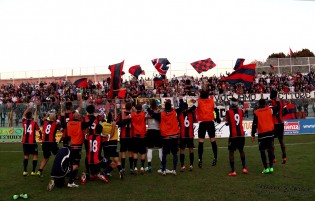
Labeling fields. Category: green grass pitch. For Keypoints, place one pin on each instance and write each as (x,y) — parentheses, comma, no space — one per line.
(292,181)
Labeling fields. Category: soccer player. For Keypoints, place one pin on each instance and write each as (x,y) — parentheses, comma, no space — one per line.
(110,146)
(126,133)
(138,121)
(49,144)
(187,118)
(263,124)
(63,167)
(234,119)
(75,131)
(153,136)
(206,114)
(89,124)
(95,160)
(278,106)
(169,126)
(29,140)
(68,115)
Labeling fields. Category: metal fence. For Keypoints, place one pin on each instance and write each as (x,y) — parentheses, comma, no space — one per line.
(11,114)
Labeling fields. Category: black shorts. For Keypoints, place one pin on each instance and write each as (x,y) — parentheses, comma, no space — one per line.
(279,130)
(186,142)
(265,143)
(170,146)
(236,143)
(139,145)
(48,148)
(154,139)
(94,168)
(76,152)
(206,126)
(110,149)
(125,144)
(30,149)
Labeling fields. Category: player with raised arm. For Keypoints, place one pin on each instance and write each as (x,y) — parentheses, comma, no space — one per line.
(264,126)
(139,130)
(126,133)
(49,144)
(68,115)
(187,118)
(30,147)
(169,126)
(278,106)
(110,146)
(234,119)
(153,136)
(206,115)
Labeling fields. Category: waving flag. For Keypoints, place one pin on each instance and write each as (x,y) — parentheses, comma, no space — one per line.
(272,67)
(115,78)
(136,71)
(239,63)
(203,65)
(291,53)
(245,74)
(160,65)
(81,83)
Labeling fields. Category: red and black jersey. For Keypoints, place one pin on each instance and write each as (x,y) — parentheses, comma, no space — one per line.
(234,117)
(65,119)
(90,122)
(49,131)
(125,127)
(277,106)
(94,149)
(29,133)
(186,122)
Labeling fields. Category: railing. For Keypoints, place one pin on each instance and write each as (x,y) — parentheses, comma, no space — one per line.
(11,114)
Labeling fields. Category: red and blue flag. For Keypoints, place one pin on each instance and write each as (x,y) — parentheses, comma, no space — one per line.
(161,65)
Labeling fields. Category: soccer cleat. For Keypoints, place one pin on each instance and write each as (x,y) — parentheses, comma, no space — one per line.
(131,171)
(182,169)
(174,172)
(50,185)
(271,170)
(160,171)
(141,170)
(245,171)
(169,171)
(200,164)
(83,178)
(39,173)
(34,174)
(24,196)
(25,174)
(72,185)
(148,169)
(284,160)
(266,171)
(15,197)
(135,171)
(191,168)
(232,174)
(123,170)
(121,174)
(214,162)
(108,174)
(103,178)
(164,173)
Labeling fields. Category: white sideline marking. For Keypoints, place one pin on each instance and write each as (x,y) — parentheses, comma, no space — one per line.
(250,146)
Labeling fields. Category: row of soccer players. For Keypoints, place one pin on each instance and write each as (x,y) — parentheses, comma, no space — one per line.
(163,131)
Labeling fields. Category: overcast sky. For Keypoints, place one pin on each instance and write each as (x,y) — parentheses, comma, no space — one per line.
(56,34)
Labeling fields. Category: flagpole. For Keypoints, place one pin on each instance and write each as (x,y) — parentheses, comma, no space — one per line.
(291,64)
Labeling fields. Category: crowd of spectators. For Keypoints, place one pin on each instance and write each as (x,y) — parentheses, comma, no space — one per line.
(48,95)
